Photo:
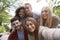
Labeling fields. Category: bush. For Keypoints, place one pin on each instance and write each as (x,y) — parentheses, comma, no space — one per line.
(2,29)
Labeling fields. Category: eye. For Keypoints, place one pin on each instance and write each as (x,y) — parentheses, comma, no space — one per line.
(30,24)
(16,22)
(46,11)
(13,24)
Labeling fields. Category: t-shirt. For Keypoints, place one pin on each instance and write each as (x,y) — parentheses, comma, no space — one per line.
(20,35)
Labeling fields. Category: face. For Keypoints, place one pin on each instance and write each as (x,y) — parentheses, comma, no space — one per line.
(28,9)
(21,13)
(45,13)
(30,26)
(16,24)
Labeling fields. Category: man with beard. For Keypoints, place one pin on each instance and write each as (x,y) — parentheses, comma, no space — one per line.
(19,32)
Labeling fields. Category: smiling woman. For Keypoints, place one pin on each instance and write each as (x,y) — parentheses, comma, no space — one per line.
(47,19)
(32,28)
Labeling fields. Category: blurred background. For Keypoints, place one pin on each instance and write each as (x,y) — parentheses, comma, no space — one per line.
(8,7)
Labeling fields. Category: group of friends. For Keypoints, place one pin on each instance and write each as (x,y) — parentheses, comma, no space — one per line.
(28,25)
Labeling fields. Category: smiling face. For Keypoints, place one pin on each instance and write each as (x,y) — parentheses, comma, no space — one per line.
(21,13)
(28,9)
(30,26)
(16,24)
(45,12)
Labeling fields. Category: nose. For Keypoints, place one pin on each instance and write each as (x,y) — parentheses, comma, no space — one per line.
(29,26)
(44,12)
(26,9)
(16,25)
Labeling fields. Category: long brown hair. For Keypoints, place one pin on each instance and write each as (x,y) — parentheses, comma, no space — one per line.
(36,25)
(48,22)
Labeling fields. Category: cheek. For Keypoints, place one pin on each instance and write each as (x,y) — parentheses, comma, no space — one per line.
(33,27)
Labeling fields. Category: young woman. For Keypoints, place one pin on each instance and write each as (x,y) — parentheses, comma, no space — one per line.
(32,28)
(47,19)
(20,13)
(36,32)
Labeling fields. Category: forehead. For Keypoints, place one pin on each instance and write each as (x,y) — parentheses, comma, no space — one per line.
(29,22)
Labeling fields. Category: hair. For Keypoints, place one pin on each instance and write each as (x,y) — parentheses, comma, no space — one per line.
(36,26)
(14,19)
(28,4)
(33,20)
(18,10)
(48,22)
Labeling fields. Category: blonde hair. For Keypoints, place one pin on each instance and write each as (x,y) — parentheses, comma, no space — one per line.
(48,22)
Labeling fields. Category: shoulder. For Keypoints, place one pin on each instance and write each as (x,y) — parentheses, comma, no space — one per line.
(12,35)
(55,18)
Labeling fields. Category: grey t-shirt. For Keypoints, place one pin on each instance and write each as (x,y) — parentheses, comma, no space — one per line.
(20,35)
(36,15)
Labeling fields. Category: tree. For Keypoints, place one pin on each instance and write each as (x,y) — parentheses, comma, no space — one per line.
(56,10)
(4,16)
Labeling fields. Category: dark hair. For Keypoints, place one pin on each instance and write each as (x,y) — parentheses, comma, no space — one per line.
(18,10)
(14,19)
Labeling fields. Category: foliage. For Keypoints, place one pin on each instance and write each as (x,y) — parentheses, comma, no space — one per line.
(56,10)
(2,29)
(4,16)
(6,28)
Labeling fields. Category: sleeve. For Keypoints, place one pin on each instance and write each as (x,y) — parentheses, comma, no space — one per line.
(10,37)
(49,34)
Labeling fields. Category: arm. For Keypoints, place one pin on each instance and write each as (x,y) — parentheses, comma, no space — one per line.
(49,33)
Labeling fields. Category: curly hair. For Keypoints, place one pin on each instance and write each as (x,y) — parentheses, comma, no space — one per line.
(18,10)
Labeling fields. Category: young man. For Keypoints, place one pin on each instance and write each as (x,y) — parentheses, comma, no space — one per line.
(19,32)
(28,11)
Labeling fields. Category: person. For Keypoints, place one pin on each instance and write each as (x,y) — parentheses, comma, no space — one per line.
(20,13)
(28,11)
(32,28)
(47,19)
(19,32)
(37,32)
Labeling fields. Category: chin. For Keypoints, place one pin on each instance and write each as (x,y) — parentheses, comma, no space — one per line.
(31,31)
(45,17)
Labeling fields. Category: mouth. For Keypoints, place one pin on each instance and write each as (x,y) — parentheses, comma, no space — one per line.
(18,27)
